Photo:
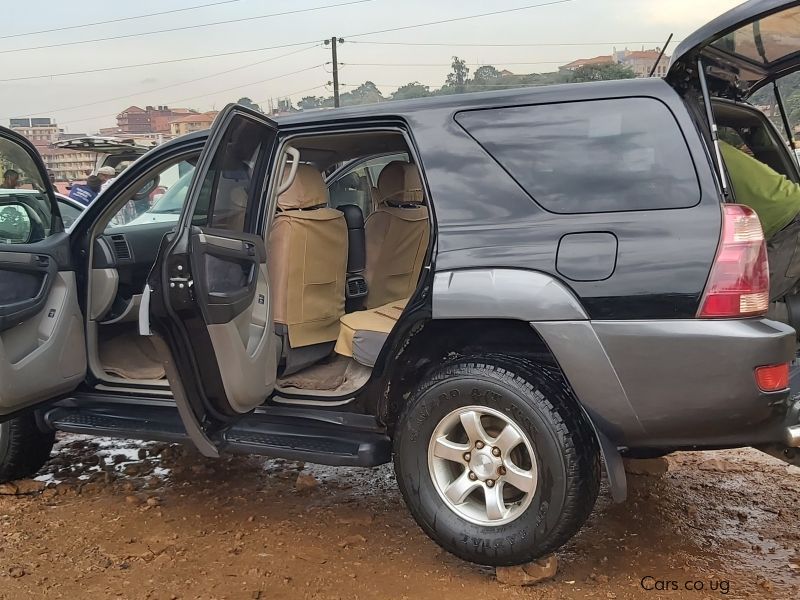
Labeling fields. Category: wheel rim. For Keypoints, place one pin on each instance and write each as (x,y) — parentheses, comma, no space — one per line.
(482,465)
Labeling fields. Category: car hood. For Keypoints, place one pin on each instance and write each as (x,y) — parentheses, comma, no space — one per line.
(743,49)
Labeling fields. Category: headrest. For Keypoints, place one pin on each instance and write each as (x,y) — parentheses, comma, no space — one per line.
(392,181)
(307,190)
(400,183)
(413,193)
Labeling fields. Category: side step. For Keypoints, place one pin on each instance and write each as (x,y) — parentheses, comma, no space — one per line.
(296,438)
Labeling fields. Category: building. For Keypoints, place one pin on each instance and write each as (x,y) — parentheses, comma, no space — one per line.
(151,119)
(193,122)
(639,61)
(39,131)
(68,165)
(585,62)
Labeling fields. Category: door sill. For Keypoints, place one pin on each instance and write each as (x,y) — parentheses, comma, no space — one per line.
(289,436)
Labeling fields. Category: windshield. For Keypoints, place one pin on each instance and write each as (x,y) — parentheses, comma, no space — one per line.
(767,40)
(172,201)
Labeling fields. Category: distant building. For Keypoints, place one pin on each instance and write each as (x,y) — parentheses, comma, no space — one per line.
(584,62)
(68,165)
(639,61)
(193,122)
(39,131)
(151,119)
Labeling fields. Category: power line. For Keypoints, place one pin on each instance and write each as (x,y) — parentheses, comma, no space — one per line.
(471,64)
(119,20)
(207,94)
(159,62)
(233,53)
(455,19)
(158,89)
(491,45)
(186,27)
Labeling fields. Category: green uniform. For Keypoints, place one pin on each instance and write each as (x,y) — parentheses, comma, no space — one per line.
(775,198)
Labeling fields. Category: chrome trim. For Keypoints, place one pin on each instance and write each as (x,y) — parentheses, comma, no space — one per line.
(792,436)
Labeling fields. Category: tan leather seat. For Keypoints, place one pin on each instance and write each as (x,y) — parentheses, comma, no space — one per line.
(363,333)
(397,235)
(308,262)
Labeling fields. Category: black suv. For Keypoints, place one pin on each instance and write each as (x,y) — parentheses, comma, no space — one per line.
(492,290)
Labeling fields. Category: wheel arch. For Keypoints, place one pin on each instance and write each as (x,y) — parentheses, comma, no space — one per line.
(480,312)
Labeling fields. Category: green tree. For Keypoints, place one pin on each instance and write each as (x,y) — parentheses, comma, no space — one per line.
(411,90)
(366,93)
(457,78)
(485,75)
(309,102)
(602,72)
(249,104)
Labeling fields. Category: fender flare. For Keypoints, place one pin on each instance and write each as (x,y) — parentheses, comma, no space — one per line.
(537,298)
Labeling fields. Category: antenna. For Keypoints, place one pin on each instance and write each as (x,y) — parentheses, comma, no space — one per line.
(660,56)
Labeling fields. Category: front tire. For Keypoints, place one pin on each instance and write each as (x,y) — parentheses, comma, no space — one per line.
(24,448)
(496,461)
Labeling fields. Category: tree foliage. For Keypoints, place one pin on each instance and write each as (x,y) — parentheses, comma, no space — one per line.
(249,104)
(458,80)
(411,90)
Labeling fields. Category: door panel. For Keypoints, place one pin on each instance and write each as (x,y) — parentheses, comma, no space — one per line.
(42,344)
(210,299)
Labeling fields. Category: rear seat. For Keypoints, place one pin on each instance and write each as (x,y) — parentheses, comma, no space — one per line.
(363,333)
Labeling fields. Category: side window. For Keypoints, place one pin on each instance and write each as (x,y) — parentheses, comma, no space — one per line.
(353,188)
(26,211)
(232,180)
(69,213)
(594,156)
(160,198)
(358,185)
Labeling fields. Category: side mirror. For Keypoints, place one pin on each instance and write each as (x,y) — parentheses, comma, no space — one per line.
(16,224)
(146,189)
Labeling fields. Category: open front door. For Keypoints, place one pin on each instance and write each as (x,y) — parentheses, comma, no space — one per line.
(42,345)
(209,290)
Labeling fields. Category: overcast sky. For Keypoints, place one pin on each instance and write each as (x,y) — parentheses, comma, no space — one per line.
(83,103)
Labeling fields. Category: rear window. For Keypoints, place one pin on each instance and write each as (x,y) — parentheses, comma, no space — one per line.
(595,156)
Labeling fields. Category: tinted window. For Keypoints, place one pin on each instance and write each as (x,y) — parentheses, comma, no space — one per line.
(230,185)
(69,212)
(767,40)
(598,156)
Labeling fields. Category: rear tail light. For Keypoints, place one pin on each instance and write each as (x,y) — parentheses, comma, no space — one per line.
(773,378)
(739,282)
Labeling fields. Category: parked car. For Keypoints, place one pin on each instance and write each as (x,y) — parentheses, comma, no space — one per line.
(490,290)
(110,151)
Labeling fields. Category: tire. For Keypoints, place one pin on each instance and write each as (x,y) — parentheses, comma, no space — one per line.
(24,448)
(547,419)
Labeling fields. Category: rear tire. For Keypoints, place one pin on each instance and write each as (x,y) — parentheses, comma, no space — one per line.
(24,448)
(527,403)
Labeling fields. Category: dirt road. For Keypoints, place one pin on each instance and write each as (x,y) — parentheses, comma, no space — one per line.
(120,520)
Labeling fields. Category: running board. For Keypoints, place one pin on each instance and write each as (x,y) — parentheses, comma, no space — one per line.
(279,436)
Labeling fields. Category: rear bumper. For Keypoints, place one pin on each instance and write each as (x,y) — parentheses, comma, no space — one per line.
(677,384)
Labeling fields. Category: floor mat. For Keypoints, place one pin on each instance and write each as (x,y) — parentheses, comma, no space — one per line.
(131,356)
(321,376)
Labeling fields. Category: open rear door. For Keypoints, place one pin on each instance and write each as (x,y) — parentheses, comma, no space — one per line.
(42,344)
(209,289)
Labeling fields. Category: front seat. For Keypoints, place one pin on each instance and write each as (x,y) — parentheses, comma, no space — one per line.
(307,267)
(397,235)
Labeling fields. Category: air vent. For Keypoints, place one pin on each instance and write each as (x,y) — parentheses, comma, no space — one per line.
(356,287)
(121,248)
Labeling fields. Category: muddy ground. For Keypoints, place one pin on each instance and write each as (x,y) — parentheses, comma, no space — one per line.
(123,520)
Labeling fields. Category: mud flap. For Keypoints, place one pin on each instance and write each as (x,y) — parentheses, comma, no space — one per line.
(786,454)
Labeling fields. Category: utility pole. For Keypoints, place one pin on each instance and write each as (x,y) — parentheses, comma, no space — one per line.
(335,62)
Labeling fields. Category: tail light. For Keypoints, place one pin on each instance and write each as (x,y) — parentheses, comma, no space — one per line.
(739,281)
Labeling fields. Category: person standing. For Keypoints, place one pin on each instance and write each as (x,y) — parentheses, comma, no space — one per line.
(86,193)
(11,179)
